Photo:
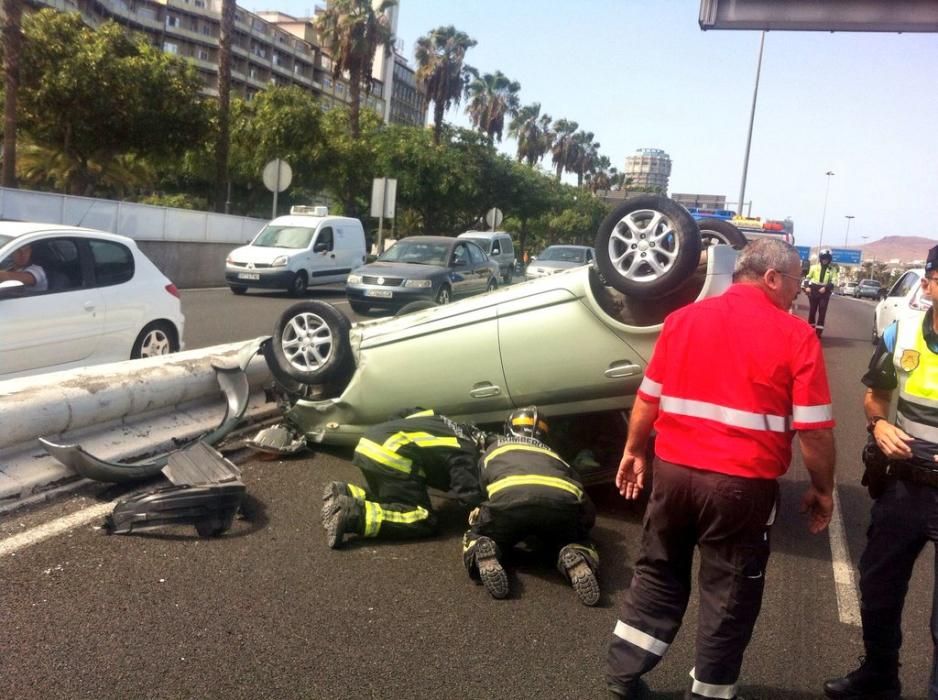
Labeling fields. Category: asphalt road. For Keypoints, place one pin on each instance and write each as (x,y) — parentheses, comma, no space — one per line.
(268,611)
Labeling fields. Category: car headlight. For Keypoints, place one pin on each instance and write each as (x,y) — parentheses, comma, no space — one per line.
(419,284)
(279,261)
(229,260)
(354,279)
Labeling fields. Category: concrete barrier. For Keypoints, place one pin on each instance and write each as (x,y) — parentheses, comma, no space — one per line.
(119,411)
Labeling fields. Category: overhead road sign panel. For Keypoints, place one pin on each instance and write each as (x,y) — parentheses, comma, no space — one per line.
(846,256)
(804,252)
(811,15)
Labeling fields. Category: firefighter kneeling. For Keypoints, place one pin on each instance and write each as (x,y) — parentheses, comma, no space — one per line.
(531,492)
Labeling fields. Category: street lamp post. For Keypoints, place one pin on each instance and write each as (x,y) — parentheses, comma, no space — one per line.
(849,218)
(820,237)
(752,117)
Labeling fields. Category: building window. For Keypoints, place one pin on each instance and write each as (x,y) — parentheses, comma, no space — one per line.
(170,47)
(203,55)
(200,3)
(172,21)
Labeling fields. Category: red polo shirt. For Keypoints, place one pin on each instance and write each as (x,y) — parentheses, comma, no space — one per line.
(734,376)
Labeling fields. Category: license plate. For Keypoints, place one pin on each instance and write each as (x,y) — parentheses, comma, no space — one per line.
(249,276)
(381,293)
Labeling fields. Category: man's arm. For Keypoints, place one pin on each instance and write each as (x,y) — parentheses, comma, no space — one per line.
(817,450)
(892,440)
(630,478)
(26,278)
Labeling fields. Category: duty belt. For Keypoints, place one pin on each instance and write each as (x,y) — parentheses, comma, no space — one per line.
(909,471)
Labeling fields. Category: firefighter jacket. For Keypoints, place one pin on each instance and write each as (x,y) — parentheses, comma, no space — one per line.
(822,275)
(917,376)
(519,470)
(425,447)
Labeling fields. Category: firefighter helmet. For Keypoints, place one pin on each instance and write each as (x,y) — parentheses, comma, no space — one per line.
(525,422)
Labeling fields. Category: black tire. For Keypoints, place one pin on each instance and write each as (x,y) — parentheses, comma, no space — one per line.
(157,338)
(413,306)
(718,231)
(298,286)
(237,289)
(508,276)
(654,256)
(358,307)
(492,285)
(445,295)
(295,353)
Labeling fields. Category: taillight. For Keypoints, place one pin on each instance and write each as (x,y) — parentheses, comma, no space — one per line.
(171,288)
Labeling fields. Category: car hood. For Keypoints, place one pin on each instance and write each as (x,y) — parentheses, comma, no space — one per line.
(260,254)
(397,269)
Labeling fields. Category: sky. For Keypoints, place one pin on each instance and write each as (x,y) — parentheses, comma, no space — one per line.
(642,74)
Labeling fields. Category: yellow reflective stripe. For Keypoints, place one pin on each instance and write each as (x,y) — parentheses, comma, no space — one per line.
(375,515)
(372,519)
(421,414)
(550,481)
(355,491)
(586,548)
(420,439)
(380,454)
(519,446)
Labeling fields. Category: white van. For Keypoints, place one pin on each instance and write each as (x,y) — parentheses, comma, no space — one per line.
(309,247)
(499,247)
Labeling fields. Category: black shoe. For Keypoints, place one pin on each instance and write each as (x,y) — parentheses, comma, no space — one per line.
(333,490)
(490,569)
(580,574)
(636,690)
(343,516)
(870,682)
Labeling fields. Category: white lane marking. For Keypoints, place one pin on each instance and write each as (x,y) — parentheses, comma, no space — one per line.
(53,528)
(848,599)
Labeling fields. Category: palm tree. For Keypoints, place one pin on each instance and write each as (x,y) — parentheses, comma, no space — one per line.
(492,96)
(563,141)
(353,30)
(223,136)
(583,155)
(440,55)
(532,130)
(12,43)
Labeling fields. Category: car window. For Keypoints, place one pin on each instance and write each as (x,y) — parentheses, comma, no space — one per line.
(60,261)
(564,254)
(476,254)
(324,240)
(417,252)
(589,255)
(483,243)
(297,237)
(113,262)
(508,248)
(904,285)
(460,255)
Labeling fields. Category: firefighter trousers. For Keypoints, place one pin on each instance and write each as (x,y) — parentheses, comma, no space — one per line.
(394,507)
(728,519)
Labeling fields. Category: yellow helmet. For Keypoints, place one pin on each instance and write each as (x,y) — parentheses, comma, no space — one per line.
(525,422)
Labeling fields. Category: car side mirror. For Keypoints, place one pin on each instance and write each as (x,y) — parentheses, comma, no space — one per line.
(496,250)
(320,247)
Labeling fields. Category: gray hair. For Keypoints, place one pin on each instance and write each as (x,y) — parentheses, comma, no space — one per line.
(764,254)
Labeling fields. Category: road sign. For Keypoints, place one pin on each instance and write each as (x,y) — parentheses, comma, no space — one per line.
(493,217)
(804,252)
(277,175)
(846,256)
(383,197)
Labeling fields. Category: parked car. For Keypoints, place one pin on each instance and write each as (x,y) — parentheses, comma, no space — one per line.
(499,247)
(904,299)
(849,289)
(868,289)
(559,257)
(292,252)
(106,301)
(437,269)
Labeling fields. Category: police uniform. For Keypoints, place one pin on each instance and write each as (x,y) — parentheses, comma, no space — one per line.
(820,276)
(531,492)
(904,516)
(399,460)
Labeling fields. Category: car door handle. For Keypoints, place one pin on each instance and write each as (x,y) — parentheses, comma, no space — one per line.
(483,390)
(625,368)
(88,306)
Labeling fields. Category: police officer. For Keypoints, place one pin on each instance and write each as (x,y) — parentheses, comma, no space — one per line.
(905,511)
(399,460)
(819,285)
(531,492)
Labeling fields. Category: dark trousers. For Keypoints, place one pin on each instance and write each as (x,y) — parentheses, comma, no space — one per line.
(396,507)
(817,307)
(903,520)
(728,519)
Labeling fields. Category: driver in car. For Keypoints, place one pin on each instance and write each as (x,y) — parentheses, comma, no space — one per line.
(22,270)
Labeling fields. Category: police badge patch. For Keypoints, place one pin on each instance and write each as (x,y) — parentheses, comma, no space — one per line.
(909,360)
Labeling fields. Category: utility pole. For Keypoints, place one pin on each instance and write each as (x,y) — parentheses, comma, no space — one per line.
(752,117)
(849,218)
(820,237)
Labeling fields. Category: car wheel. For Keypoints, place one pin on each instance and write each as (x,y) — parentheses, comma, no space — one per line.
(444,296)
(492,285)
(508,276)
(298,286)
(647,247)
(157,338)
(718,231)
(358,307)
(311,342)
(237,289)
(413,306)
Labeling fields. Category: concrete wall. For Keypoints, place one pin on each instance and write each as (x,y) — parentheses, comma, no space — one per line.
(189,265)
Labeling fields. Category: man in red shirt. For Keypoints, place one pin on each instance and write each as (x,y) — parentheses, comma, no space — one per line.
(723,438)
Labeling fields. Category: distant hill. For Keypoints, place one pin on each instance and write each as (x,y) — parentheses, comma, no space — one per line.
(906,249)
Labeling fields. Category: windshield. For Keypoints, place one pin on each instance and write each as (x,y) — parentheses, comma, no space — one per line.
(284,237)
(561,253)
(869,283)
(483,243)
(417,252)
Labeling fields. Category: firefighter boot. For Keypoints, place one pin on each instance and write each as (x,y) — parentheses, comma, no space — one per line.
(876,679)
(344,516)
(636,690)
(490,569)
(578,567)
(333,490)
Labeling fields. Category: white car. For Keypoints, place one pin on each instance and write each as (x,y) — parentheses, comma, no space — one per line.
(904,299)
(557,258)
(105,302)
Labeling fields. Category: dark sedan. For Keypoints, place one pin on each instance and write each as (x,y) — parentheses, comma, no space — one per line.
(431,268)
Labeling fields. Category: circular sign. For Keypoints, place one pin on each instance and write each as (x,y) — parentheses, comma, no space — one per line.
(277,175)
(493,217)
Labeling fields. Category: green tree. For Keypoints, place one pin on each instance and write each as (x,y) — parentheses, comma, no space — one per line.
(345,160)
(440,57)
(563,144)
(492,97)
(222,134)
(92,95)
(583,156)
(12,49)
(533,133)
(353,30)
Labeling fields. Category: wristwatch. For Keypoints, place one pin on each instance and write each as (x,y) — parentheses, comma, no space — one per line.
(871,423)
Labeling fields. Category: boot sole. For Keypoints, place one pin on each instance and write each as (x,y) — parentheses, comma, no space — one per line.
(581,578)
(329,494)
(491,572)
